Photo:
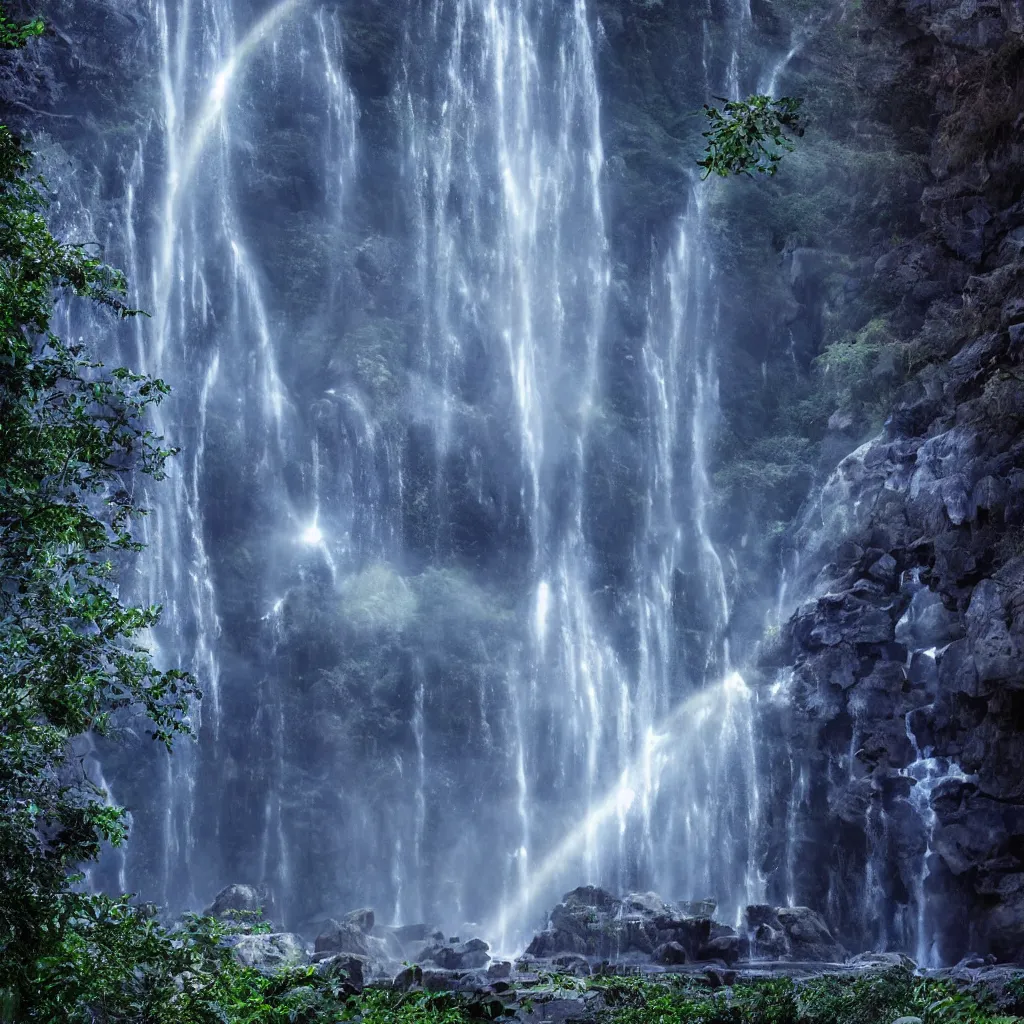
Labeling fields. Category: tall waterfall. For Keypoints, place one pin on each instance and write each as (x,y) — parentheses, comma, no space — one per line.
(406,422)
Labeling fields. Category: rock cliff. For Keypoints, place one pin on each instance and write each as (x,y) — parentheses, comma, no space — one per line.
(900,672)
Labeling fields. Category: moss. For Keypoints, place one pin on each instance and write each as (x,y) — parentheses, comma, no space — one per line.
(378,599)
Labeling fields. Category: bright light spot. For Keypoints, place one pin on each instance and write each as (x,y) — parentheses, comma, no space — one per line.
(543,606)
(312,535)
(221,83)
(522,852)
(931,652)
(624,797)
(734,684)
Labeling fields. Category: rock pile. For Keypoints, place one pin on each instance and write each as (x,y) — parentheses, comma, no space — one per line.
(592,923)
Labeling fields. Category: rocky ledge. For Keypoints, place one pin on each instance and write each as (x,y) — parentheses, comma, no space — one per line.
(592,936)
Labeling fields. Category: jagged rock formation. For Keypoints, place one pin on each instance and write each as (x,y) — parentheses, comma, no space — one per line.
(902,668)
(593,924)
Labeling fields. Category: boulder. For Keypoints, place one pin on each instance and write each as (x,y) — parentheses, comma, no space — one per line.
(342,937)
(409,933)
(671,953)
(727,948)
(791,933)
(927,623)
(350,969)
(269,954)
(808,936)
(232,899)
(459,956)
(362,919)
(691,933)
(572,963)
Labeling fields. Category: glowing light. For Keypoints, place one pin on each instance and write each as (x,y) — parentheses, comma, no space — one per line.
(312,535)
(543,606)
(687,718)
(221,83)
(624,797)
(735,685)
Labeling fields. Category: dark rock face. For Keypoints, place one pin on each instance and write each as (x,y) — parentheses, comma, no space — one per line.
(591,922)
(348,968)
(234,900)
(346,937)
(458,956)
(791,933)
(904,805)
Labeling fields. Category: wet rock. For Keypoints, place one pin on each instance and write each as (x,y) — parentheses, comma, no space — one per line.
(458,956)
(269,954)
(792,933)
(592,922)
(232,899)
(882,961)
(697,908)
(690,933)
(927,622)
(349,969)
(727,948)
(348,937)
(671,953)
(572,963)
(996,654)
(499,970)
(362,919)
(407,933)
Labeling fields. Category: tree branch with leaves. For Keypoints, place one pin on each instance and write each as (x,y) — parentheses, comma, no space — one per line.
(750,136)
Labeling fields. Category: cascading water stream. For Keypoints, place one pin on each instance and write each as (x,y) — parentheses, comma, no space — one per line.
(379,550)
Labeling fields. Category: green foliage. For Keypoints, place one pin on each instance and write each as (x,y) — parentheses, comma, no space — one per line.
(871,998)
(861,369)
(387,1006)
(14,34)
(72,439)
(748,136)
(116,964)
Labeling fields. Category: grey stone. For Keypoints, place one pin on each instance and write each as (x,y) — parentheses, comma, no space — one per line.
(233,898)
(348,937)
(362,919)
(927,622)
(269,954)
(572,963)
(350,969)
(726,948)
(670,953)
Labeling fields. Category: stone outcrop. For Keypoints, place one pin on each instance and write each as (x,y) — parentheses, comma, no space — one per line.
(592,923)
(235,902)
(269,954)
(791,933)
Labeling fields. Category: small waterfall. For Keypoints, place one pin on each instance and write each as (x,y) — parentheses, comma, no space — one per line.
(709,799)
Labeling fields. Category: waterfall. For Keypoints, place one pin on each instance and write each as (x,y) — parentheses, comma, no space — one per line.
(410,438)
